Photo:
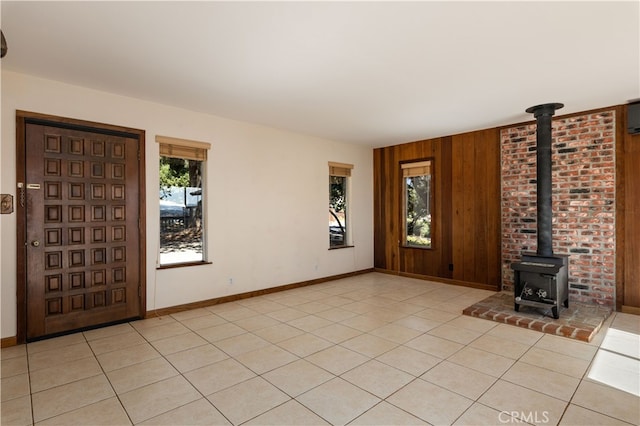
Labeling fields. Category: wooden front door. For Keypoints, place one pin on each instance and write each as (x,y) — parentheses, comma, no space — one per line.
(82,240)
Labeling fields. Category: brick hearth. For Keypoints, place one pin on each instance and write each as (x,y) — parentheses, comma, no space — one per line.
(580,321)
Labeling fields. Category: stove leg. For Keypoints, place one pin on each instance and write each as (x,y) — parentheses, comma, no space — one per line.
(566,303)
(554,310)
(516,307)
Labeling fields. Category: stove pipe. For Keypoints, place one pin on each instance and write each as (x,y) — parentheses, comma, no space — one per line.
(543,114)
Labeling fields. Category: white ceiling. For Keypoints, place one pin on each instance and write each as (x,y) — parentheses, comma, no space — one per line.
(373,73)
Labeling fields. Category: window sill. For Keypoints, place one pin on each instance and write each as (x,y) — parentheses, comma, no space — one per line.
(182,265)
(339,247)
(417,247)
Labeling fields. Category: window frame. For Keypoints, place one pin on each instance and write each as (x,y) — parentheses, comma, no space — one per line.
(404,167)
(187,150)
(343,170)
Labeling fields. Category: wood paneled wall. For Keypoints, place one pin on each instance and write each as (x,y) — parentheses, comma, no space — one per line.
(466,211)
(467,228)
(628,226)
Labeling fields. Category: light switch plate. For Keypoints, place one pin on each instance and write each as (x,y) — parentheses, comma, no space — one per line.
(6,203)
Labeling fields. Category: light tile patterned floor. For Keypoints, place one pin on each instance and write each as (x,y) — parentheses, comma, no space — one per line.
(372,349)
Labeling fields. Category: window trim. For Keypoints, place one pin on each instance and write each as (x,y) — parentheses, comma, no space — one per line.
(413,168)
(184,264)
(340,169)
(343,170)
(188,150)
(182,148)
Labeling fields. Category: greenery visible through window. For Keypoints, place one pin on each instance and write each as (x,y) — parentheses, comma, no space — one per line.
(417,204)
(181,236)
(337,211)
(338,204)
(182,199)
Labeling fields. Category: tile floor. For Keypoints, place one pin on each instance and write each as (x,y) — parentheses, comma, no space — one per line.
(372,349)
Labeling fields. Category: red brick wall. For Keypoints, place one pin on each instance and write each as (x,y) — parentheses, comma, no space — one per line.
(583,176)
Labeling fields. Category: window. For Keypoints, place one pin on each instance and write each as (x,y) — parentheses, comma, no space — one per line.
(338,204)
(182,199)
(417,203)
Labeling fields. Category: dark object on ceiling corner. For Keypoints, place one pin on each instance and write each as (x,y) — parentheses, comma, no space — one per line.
(633,118)
(4,45)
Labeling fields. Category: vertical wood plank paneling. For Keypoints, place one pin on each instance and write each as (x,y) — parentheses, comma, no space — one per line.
(379,183)
(471,186)
(435,258)
(632,222)
(484,189)
(432,259)
(457,201)
(391,224)
(480,192)
(492,224)
(466,222)
(620,231)
(476,200)
(447,218)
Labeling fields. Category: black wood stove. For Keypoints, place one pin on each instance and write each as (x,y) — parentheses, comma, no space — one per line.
(541,279)
(541,282)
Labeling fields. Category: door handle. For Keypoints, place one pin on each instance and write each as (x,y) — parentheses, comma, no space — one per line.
(35,243)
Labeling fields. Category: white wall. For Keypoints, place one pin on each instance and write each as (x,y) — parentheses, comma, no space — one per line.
(267,194)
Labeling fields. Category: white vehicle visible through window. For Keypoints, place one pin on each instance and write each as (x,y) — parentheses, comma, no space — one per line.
(182,199)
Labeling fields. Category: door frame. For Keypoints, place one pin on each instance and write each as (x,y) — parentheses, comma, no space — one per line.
(22,119)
